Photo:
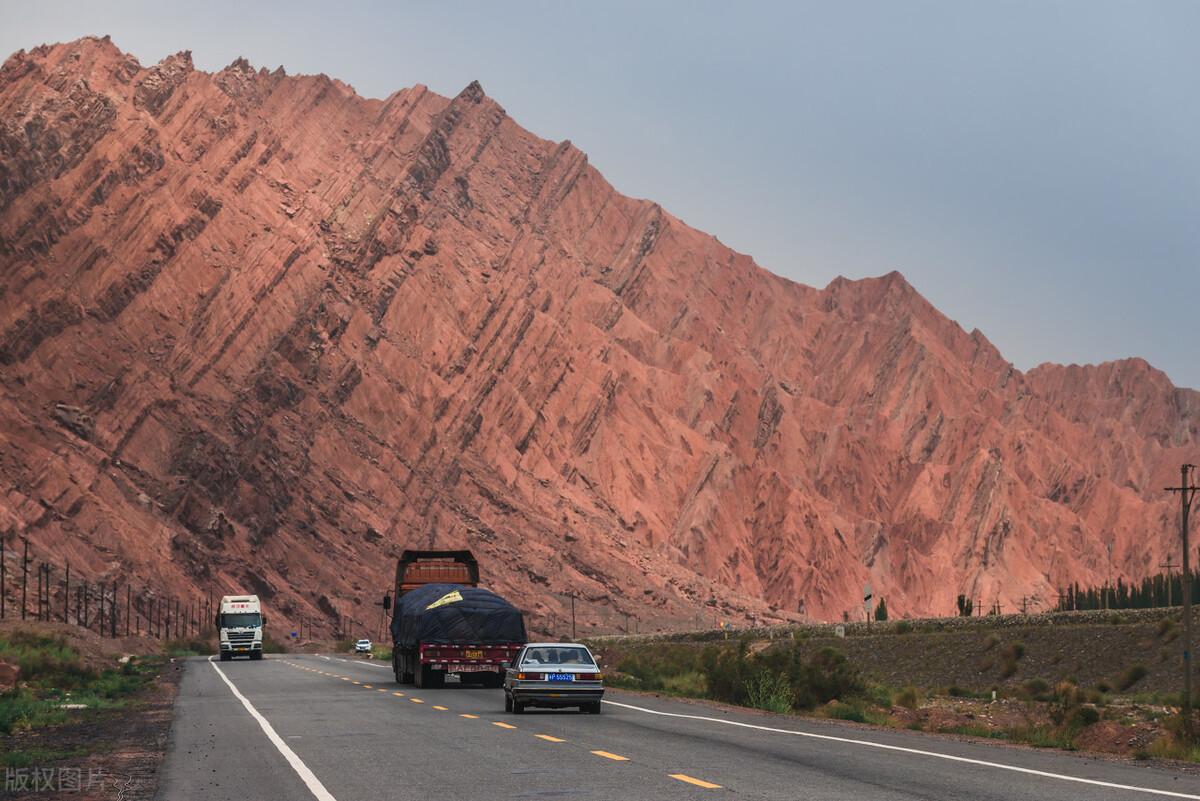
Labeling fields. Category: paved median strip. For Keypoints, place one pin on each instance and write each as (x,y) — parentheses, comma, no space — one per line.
(607,755)
(683,777)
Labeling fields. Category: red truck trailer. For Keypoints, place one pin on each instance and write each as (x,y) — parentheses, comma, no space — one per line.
(443,622)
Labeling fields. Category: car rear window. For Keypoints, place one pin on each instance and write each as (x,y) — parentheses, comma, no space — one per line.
(558,655)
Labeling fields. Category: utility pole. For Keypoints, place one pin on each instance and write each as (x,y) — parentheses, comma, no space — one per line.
(1187,491)
(1169,566)
(24,576)
(67,595)
(3,576)
(573,637)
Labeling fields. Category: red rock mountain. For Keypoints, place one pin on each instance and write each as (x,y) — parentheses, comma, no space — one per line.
(259,332)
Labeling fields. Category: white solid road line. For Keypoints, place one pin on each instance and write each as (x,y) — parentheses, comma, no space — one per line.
(935,754)
(307,776)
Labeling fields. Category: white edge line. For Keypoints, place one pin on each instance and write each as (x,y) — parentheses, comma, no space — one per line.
(307,776)
(885,746)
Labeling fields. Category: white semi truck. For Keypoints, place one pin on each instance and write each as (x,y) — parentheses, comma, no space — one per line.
(240,623)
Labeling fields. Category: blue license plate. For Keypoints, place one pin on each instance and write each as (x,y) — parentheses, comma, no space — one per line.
(560,677)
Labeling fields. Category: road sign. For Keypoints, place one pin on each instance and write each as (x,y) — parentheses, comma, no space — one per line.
(840,631)
(867,597)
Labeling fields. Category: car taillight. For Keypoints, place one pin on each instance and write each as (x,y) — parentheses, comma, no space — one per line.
(589,676)
(529,676)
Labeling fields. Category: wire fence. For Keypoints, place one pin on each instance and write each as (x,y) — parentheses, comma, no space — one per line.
(39,589)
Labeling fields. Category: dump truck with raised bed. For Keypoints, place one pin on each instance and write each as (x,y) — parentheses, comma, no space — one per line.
(444,623)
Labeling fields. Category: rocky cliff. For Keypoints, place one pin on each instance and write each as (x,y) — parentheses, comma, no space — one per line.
(259,332)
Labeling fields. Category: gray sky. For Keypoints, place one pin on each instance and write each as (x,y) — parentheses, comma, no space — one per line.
(1032,168)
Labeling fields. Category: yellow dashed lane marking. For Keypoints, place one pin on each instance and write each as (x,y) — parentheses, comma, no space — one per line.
(398,695)
(607,755)
(366,686)
(382,690)
(502,725)
(442,708)
(470,717)
(358,682)
(549,739)
(416,700)
(683,777)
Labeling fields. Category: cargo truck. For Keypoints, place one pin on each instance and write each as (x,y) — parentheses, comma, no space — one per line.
(443,622)
(240,624)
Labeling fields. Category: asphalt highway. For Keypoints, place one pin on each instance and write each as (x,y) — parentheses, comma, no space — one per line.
(293,728)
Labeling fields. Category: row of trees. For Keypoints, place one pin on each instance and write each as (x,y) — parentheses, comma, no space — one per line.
(1164,589)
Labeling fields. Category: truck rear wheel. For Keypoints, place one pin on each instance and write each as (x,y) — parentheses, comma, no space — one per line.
(430,679)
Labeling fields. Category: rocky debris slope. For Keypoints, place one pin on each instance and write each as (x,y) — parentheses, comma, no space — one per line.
(258,332)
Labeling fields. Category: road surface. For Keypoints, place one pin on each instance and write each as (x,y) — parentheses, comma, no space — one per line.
(294,728)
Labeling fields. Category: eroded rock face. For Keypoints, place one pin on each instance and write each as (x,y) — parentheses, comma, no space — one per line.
(259,332)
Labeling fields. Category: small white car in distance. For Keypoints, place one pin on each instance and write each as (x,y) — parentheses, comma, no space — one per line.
(362,647)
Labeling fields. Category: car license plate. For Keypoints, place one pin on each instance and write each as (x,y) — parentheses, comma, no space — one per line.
(560,677)
(473,654)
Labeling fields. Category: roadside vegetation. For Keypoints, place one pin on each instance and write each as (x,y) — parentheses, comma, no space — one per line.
(56,685)
(1122,709)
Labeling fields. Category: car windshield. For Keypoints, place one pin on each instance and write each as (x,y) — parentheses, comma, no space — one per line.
(558,655)
(239,620)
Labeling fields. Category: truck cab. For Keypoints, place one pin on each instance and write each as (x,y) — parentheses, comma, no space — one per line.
(240,624)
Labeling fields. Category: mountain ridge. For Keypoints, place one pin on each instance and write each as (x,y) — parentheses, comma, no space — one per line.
(301,327)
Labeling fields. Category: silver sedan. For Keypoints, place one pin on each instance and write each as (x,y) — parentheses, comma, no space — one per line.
(553,674)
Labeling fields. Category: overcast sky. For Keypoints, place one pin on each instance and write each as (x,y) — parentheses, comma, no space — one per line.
(1033,169)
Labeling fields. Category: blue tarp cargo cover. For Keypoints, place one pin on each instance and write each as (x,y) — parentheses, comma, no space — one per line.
(451,614)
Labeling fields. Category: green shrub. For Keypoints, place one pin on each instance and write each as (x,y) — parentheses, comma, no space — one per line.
(1044,737)
(770,691)
(692,684)
(841,711)
(903,627)
(879,695)
(907,698)
(1083,716)
(1014,651)
(1132,675)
